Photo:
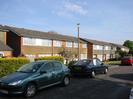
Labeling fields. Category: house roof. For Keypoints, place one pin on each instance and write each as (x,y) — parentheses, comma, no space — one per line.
(96,42)
(39,34)
(120,46)
(4,47)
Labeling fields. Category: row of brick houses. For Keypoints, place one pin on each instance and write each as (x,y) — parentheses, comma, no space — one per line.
(32,43)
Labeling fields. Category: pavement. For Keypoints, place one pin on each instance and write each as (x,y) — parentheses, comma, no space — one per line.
(116,84)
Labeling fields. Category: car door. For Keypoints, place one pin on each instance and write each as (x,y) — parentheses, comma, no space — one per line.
(46,77)
(95,66)
(100,66)
(58,71)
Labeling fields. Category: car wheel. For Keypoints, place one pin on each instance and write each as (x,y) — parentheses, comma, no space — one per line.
(105,71)
(30,90)
(66,81)
(93,74)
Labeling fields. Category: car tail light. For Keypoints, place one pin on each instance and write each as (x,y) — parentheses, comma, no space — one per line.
(129,61)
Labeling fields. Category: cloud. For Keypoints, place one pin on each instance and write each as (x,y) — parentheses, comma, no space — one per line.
(71,9)
(75,8)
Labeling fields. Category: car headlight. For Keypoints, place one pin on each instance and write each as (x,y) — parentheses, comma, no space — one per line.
(131,93)
(16,82)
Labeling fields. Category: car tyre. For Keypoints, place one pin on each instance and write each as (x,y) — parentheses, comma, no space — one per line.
(93,74)
(30,90)
(66,81)
(106,71)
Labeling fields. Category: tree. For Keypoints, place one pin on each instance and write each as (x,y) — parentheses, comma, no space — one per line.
(68,55)
(129,44)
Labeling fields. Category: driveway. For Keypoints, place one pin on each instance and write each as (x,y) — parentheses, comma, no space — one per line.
(115,85)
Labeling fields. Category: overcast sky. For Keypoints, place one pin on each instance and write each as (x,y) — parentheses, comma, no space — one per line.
(106,20)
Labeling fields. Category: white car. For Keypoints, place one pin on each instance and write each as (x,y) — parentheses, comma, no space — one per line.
(131,94)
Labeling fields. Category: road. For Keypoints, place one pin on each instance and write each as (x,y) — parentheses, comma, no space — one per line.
(114,85)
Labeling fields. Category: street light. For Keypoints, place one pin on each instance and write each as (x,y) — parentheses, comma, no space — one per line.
(78,42)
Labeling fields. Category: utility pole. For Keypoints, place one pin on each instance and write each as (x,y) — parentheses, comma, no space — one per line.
(78,42)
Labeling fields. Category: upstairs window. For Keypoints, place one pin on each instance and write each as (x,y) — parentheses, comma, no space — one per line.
(84,45)
(68,44)
(29,41)
(75,45)
(57,43)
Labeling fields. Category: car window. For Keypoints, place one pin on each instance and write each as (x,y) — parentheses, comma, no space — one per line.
(57,66)
(31,67)
(83,62)
(47,67)
(98,62)
(94,62)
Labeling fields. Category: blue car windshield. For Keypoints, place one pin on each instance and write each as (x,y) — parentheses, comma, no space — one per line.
(83,62)
(31,67)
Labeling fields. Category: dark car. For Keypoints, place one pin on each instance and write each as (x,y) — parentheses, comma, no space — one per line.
(127,60)
(89,67)
(35,76)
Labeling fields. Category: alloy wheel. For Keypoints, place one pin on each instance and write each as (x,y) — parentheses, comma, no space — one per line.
(30,90)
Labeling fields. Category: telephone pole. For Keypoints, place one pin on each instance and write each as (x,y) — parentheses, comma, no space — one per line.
(78,41)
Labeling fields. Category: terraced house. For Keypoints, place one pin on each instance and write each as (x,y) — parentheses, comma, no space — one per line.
(31,43)
(103,50)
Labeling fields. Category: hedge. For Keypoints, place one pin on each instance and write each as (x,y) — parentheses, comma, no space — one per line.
(58,58)
(9,65)
(112,62)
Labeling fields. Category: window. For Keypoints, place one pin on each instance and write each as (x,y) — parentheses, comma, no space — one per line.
(98,62)
(83,56)
(57,43)
(47,67)
(75,45)
(42,55)
(37,42)
(46,42)
(57,66)
(107,47)
(97,47)
(68,44)
(84,45)
(29,41)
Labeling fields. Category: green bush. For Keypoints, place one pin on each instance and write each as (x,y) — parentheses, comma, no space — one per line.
(71,63)
(58,58)
(112,62)
(9,65)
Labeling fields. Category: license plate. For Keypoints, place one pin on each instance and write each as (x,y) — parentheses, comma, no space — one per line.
(4,91)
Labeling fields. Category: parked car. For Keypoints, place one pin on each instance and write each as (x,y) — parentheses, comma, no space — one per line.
(127,60)
(88,67)
(35,76)
(131,94)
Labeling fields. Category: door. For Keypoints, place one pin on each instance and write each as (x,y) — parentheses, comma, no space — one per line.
(100,66)
(58,73)
(95,66)
(46,77)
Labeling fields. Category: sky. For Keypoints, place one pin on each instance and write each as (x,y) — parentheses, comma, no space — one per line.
(105,20)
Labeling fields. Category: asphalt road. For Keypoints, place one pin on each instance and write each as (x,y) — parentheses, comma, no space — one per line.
(115,85)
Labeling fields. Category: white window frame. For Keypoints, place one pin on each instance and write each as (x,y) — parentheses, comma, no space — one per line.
(75,45)
(69,44)
(84,45)
(57,43)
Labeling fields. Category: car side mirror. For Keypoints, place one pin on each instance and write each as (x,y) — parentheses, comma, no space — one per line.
(42,72)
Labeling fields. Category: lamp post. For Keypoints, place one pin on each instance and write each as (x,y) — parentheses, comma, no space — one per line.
(78,42)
